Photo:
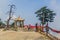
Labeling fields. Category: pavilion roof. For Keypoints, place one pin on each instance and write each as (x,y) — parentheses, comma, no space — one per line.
(19,19)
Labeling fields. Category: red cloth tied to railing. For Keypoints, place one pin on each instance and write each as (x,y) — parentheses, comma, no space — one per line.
(54,30)
(38,27)
(31,26)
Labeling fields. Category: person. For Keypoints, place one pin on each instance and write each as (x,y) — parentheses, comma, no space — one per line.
(36,27)
(28,27)
(47,29)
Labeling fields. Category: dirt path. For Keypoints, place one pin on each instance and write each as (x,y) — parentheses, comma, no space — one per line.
(12,35)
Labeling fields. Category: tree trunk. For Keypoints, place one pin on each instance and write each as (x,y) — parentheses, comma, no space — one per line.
(42,28)
(8,23)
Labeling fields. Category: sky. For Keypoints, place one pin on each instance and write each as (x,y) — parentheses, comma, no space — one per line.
(26,9)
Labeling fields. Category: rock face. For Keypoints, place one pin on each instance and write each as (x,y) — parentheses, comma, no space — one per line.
(12,35)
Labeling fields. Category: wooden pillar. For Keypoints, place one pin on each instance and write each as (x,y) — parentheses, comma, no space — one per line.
(20,23)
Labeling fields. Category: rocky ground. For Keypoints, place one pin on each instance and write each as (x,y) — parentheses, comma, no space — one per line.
(17,35)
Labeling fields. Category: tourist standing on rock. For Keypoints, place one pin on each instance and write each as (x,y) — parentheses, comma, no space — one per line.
(47,29)
(36,25)
(28,27)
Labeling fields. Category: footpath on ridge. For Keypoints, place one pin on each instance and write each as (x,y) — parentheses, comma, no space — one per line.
(13,35)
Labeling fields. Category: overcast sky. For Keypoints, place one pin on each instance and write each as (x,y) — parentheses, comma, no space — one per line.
(26,9)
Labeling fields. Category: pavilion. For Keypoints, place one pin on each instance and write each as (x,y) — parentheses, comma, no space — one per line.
(19,21)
